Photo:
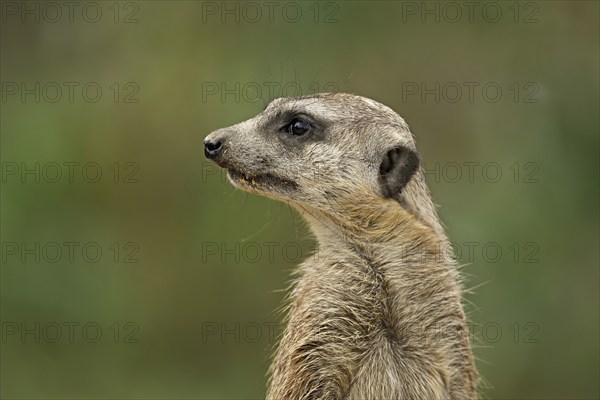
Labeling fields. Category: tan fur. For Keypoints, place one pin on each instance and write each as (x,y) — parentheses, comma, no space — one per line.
(376,313)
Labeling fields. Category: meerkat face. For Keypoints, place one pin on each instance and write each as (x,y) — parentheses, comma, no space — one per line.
(316,149)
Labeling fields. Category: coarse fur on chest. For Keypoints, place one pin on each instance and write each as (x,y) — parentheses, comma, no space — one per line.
(375,314)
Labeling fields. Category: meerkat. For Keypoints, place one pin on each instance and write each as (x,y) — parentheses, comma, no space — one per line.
(376,313)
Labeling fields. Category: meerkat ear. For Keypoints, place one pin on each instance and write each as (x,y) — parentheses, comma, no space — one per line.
(397,167)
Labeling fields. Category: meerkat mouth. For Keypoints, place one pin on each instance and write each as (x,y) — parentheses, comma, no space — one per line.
(264,181)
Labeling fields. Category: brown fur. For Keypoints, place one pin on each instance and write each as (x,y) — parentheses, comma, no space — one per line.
(376,313)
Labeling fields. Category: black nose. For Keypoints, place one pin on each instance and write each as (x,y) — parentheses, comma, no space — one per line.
(213,148)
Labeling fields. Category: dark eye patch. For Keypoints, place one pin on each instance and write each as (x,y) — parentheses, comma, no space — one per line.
(294,126)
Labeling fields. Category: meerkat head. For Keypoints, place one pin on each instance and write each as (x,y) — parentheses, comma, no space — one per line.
(315,150)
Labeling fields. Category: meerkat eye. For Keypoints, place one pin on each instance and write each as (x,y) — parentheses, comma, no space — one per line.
(298,127)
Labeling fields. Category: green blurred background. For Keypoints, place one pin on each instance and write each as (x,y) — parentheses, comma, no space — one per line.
(181,302)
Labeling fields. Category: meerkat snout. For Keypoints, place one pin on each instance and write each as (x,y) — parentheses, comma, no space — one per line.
(215,143)
(212,149)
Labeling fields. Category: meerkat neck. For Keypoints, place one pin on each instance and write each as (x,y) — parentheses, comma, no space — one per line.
(379,223)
